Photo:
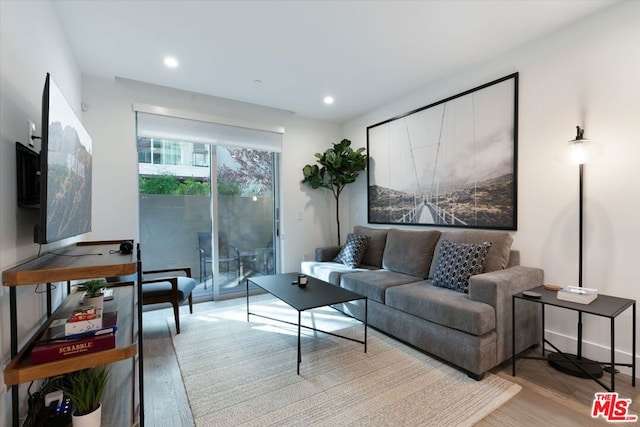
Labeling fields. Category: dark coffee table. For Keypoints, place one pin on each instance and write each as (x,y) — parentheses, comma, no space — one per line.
(316,294)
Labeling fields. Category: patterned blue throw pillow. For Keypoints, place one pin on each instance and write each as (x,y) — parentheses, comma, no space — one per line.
(459,261)
(353,250)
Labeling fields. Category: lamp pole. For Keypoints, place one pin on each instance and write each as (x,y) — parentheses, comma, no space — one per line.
(580,248)
(581,213)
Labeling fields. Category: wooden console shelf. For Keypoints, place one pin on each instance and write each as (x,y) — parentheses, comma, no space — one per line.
(21,370)
(83,261)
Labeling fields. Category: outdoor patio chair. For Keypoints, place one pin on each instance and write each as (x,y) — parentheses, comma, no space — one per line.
(228,255)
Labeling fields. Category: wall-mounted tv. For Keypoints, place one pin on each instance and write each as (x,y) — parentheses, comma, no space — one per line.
(65,167)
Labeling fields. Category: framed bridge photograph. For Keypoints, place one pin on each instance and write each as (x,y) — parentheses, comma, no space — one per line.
(452,163)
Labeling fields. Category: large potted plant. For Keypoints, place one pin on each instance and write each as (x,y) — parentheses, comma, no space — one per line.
(84,388)
(338,166)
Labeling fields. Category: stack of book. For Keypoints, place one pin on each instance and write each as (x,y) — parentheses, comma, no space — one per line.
(577,294)
(61,341)
(83,319)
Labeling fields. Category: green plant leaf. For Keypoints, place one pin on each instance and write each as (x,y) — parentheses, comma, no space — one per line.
(85,388)
(93,287)
(338,166)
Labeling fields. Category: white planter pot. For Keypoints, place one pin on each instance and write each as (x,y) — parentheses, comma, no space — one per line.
(94,419)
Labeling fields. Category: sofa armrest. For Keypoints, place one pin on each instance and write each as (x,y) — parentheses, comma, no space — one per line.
(498,286)
(327,253)
(496,289)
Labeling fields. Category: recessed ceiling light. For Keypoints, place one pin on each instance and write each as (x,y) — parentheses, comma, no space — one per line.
(170,62)
(328,100)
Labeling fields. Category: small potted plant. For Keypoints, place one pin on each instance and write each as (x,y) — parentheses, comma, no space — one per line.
(84,388)
(93,293)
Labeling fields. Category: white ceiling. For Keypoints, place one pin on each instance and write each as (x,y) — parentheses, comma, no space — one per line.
(363,53)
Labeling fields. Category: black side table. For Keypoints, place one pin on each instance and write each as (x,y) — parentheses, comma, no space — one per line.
(603,306)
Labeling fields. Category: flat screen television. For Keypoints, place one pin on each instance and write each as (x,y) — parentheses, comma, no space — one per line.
(65,170)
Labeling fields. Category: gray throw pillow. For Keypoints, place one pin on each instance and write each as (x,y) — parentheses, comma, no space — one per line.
(459,261)
(353,250)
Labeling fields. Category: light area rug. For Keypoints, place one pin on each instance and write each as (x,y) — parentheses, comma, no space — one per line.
(244,373)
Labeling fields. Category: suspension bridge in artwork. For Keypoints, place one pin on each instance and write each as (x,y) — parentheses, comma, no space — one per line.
(425,212)
(425,202)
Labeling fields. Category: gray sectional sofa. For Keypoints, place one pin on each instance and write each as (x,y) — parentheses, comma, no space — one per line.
(470,328)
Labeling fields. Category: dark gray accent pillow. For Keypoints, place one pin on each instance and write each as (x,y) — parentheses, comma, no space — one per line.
(457,262)
(410,251)
(375,247)
(353,250)
(498,256)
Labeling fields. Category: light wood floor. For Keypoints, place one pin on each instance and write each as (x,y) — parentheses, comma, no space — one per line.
(547,397)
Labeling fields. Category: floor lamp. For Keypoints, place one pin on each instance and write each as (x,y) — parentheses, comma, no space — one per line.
(579,152)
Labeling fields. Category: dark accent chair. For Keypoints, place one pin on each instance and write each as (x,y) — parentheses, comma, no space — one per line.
(168,288)
(228,254)
(165,286)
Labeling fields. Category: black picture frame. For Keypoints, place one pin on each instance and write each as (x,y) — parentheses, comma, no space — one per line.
(452,163)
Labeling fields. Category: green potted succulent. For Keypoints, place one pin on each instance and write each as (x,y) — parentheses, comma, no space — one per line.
(93,288)
(338,166)
(85,388)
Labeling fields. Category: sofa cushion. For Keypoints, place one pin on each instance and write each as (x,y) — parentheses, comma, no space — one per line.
(372,284)
(457,262)
(327,271)
(498,256)
(375,247)
(410,251)
(442,306)
(353,250)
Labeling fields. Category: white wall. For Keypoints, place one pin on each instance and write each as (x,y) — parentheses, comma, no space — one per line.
(31,44)
(587,75)
(308,215)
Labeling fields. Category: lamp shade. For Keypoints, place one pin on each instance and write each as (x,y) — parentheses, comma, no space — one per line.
(581,150)
(578,151)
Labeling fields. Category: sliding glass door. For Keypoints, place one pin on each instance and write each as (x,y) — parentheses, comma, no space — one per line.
(244,216)
(206,206)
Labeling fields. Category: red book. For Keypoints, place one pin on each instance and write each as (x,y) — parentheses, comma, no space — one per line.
(55,346)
